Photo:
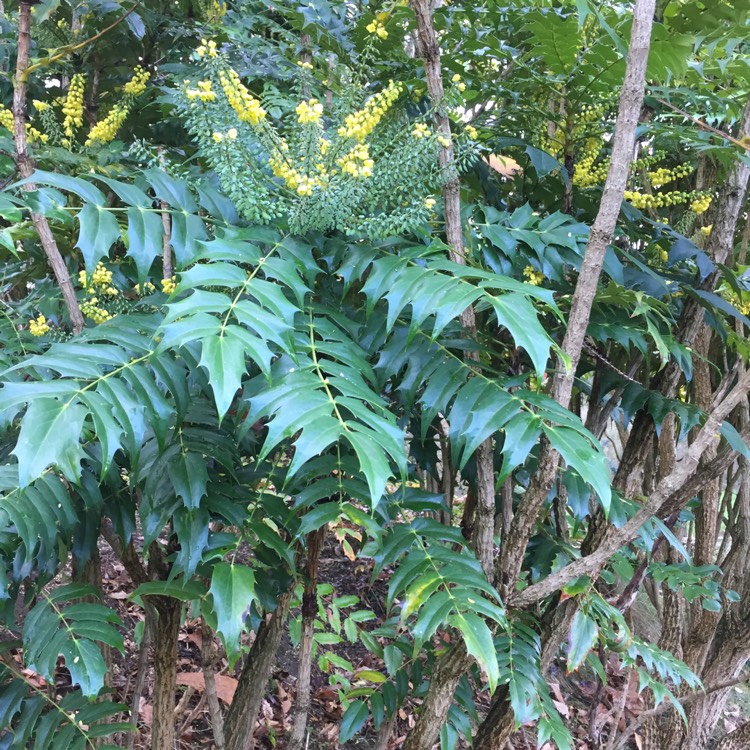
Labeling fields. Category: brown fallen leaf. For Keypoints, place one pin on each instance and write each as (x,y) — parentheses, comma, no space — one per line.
(145,711)
(225,685)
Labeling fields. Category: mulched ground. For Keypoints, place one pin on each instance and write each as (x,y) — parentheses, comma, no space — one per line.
(580,700)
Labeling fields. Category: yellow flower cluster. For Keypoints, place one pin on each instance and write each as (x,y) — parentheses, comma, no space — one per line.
(147,288)
(460,85)
(302,184)
(701,204)
(663,176)
(444,141)
(90,308)
(420,130)
(6,118)
(586,173)
(659,200)
(472,132)
(73,107)
(100,281)
(705,231)
(429,203)
(309,112)
(246,106)
(361,123)
(105,130)
(230,135)
(304,65)
(357,162)
(207,48)
(533,277)
(40,106)
(168,285)
(6,121)
(203,92)
(137,84)
(39,326)
(377,27)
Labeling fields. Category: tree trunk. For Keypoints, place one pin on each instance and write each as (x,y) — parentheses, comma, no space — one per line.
(455,662)
(26,169)
(309,612)
(243,713)
(166,633)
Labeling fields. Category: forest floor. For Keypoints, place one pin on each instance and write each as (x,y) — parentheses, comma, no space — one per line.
(584,702)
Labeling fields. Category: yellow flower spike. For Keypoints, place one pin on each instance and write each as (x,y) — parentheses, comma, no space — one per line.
(471,131)
(39,105)
(443,141)
(168,285)
(361,123)
(137,84)
(73,107)
(246,106)
(106,130)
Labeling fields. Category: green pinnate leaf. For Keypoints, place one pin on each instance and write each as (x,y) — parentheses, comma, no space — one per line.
(584,633)
(50,435)
(233,590)
(479,643)
(353,720)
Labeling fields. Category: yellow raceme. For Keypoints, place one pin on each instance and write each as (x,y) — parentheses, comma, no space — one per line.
(247,107)
(106,130)
(73,106)
(361,123)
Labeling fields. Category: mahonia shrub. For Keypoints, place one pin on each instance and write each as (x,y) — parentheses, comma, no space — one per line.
(359,165)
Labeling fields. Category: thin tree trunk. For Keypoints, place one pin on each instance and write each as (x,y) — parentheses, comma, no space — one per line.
(26,169)
(166,633)
(309,612)
(149,621)
(449,668)
(243,713)
(208,656)
(495,730)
